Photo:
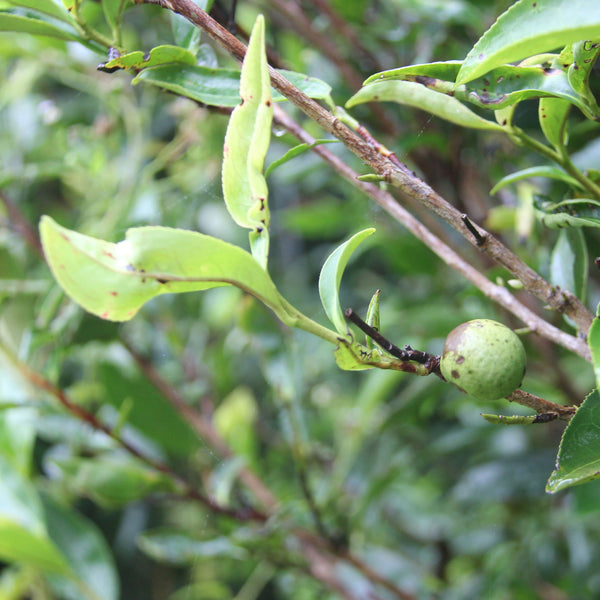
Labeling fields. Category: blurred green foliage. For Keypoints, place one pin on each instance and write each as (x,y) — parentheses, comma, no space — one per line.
(402,470)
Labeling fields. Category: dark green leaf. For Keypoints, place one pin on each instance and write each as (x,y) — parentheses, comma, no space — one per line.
(578,458)
(113,281)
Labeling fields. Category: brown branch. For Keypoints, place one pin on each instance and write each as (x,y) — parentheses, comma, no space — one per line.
(563,301)
(497,293)
(244,514)
(542,406)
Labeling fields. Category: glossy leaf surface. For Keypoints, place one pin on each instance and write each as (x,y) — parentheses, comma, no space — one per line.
(578,458)
(246,144)
(528,28)
(542,171)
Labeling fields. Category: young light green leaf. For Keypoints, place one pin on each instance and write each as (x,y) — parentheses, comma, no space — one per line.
(529,28)
(419,96)
(569,262)
(553,113)
(578,459)
(246,143)
(110,481)
(581,213)
(215,86)
(331,277)
(541,171)
(157,56)
(295,151)
(113,281)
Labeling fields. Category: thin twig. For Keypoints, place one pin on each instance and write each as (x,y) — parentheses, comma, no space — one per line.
(497,293)
(563,301)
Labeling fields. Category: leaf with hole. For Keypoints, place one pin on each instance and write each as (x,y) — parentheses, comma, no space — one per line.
(420,96)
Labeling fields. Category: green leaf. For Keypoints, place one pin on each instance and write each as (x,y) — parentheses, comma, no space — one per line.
(509,85)
(419,96)
(49,7)
(553,114)
(246,143)
(112,481)
(594,344)
(575,212)
(113,11)
(529,28)
(218,87)
(180,548)
(445,71)
(37,26)
(157,56)
(113,281)
(585,54)
(373,318)
(295,151)
(578,458)
(331,277)
(542,171)
(569,262)
(23,535)
(93,573)
(214,87)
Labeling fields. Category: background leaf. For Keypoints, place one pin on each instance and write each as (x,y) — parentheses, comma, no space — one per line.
(569,262)
(578,458)
(331,277)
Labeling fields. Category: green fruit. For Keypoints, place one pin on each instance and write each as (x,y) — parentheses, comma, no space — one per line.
(484,358)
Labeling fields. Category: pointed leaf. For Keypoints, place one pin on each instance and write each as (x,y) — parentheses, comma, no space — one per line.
(331,277)
(569,262)
(578,458)
(419,96)
(38,26)
(529,28)
(246,143)
(93,573)
(542,171)
(157,56)
(49,7)
(113,281)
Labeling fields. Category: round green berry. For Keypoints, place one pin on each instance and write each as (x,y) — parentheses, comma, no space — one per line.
(484,358)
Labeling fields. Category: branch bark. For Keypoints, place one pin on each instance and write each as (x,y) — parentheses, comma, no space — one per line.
(563,301)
